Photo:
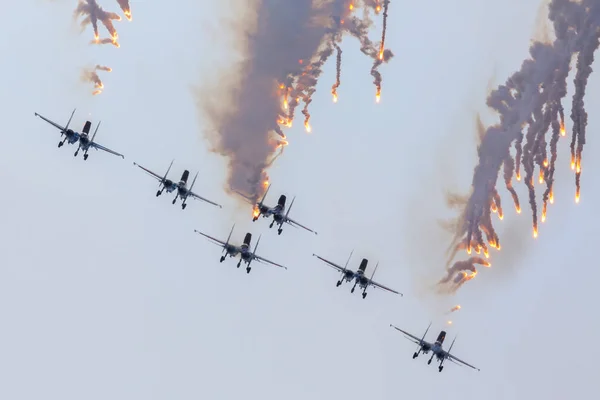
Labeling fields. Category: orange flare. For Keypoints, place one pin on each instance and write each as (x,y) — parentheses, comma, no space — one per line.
(535,232)
(501,216)
(551,197)
(546,163)
(255,212)
(494,208)
(307,127)
(541,176)
(381,53)
(487,255)
(563,131)
(351,7)
(577,196)
(335,97)
(518,209)
(518,176)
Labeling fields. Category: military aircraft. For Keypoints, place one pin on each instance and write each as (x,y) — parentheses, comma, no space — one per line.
(181,186)
(85,143)
(246,255)
(436,348)
(280,216)
(359,276)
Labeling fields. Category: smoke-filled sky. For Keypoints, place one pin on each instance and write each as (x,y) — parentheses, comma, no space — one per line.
(106,292)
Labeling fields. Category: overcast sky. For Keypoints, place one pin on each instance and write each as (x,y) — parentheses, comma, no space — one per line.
(106,291)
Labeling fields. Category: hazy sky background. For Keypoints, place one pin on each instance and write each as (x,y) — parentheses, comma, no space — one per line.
(106,292)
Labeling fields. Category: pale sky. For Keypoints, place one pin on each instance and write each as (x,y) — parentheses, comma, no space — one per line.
(106,291)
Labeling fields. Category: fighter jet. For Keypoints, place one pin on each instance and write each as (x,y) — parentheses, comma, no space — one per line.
(85,143)
(244,250)
(180,187)
(280,216)
(436,348)
(359,276)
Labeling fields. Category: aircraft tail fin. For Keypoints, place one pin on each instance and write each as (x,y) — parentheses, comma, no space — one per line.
(69,121)
(247,239)
(426,330)
(95,131)
(168,169)
(346,266)
(260,203)
(282,200)
(256,245)
(193,181)
(441,337)
(374,270)
(452,344)
(289,209)
(86,127)
(185,175)
(363,265)
(228,237)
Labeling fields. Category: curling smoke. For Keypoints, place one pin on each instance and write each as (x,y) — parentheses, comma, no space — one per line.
(94,13)
(124,4)
(530,102)
(284,60)
(90,75)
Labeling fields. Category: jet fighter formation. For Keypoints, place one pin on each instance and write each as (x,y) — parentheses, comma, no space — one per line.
(280,215)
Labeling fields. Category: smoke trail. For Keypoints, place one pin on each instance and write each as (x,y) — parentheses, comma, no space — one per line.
(338,71)
(106,41)
(124,4)
(531,99)
(90,75)
(385,15)
(94,13)
(283,62)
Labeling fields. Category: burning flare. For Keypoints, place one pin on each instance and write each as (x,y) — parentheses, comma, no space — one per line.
(283,62)
(530,109)
(90,75)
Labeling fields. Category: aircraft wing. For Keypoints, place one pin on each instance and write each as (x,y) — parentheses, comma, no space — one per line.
(412,337)
(100,147)
(264,260)
(331,264)
(57,126)
(294,223)
(457,360)
(195,196)
(160,178)
(214,240)
(379,285)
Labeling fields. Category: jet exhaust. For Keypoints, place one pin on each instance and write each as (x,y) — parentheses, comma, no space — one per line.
(530,108)
(283,62)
